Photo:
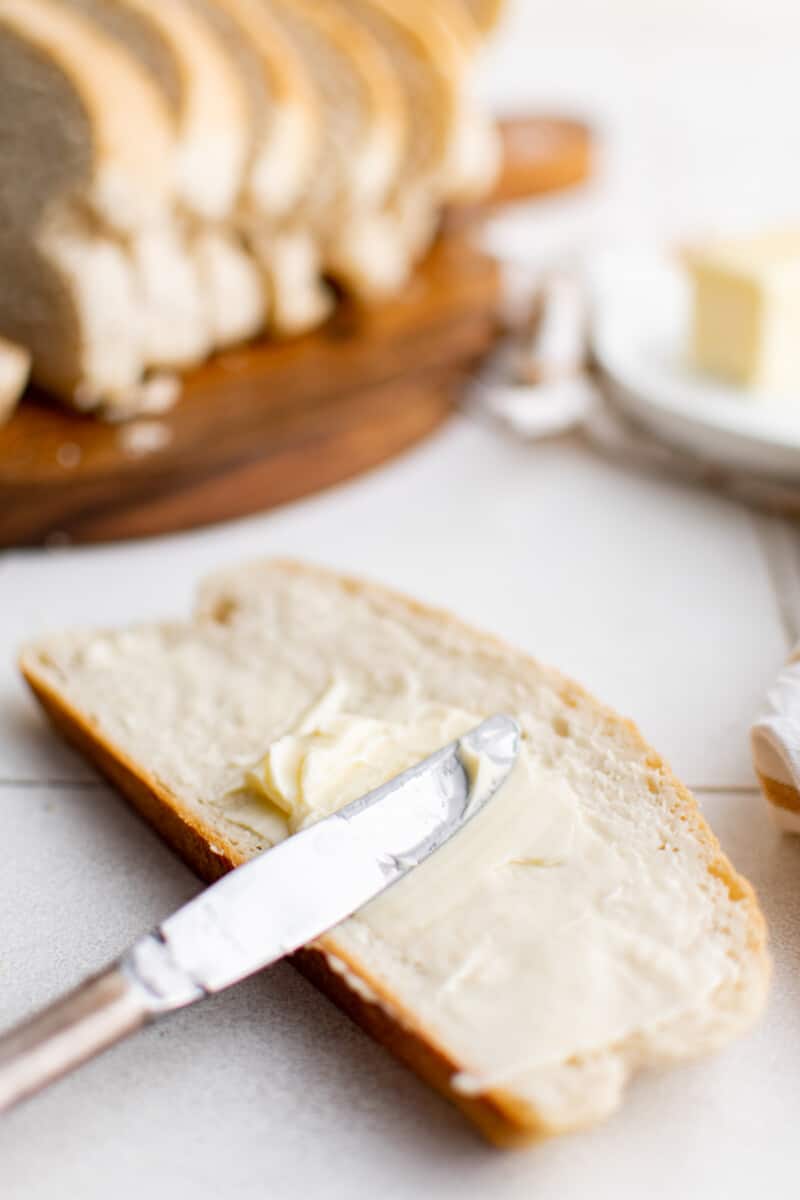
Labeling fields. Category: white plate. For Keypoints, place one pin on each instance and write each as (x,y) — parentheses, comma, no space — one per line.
(640,341)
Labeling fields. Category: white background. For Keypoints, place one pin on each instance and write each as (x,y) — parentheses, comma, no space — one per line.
(673,604)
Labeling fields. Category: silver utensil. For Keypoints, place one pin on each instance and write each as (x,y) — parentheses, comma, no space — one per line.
(265,909)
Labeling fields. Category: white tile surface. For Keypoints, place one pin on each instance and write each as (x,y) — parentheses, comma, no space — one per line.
(269,1091)
(693,100)
(655,596)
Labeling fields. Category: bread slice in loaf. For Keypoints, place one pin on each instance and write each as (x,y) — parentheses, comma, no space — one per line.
(284,113)
(589,928)
(359,157)
(452,151)
(215,134)
(130,180)
(15,367)
(408,221)
(287,131)
(199,287)
(175,326)
(213,112)
(87,167)
(475,152)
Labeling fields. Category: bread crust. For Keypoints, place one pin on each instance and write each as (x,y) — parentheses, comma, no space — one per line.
(500,1116)
(781,795)
(485,13)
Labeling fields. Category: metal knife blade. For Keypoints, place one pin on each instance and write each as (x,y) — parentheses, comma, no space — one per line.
(267,908)
(304,886)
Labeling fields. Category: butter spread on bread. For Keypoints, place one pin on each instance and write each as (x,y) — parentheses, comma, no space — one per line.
(586,926)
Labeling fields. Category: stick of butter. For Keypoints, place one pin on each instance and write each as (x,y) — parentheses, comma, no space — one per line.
(746,326)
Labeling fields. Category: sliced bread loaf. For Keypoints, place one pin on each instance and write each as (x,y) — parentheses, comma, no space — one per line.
(586,926)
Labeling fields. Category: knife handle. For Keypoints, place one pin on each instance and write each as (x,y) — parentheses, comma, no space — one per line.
(102,1011)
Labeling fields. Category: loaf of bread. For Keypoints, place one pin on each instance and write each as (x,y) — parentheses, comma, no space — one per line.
(182,176)
(585,927)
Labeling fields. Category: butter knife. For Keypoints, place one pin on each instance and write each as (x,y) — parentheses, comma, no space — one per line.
(266,909)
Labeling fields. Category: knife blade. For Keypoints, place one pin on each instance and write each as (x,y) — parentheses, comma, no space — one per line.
(266,909)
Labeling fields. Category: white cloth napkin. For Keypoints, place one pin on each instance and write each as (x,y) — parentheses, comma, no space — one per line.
(775,741)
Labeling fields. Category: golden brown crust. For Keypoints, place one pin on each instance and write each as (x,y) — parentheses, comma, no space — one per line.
(500,1116)
(485,13)
(782,795)
(495,1120)
(159,807)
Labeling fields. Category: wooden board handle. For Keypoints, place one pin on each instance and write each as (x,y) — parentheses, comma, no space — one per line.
(540,155)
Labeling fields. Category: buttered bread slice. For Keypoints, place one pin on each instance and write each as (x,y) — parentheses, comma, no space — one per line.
(585,926)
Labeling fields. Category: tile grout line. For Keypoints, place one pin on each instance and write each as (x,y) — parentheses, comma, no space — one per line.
(701,789)
(712,789)
(53,783)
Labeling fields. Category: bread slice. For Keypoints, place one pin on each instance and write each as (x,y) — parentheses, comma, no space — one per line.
(360,153)
(588,928)
(87,166)
(454,152)
(130,181)
(15,367)
(284,114)
(407,224)
(475,151)
(213,113)
(174,323)
(286,123)
(199,288)
(215,133)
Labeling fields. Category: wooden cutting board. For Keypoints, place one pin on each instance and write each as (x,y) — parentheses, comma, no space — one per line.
(273,421)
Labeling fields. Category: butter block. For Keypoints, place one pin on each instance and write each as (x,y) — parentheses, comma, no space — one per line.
(746,317)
